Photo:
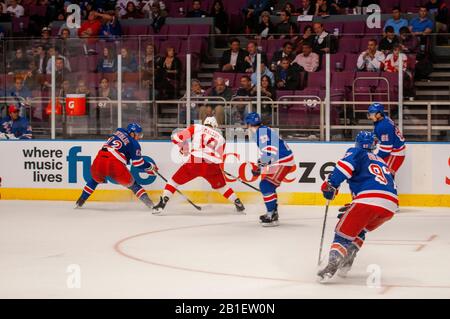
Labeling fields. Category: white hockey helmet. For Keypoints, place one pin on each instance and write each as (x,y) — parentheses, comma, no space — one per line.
(211,121)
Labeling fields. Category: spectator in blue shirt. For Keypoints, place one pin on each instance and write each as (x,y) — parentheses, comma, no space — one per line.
(397,22)
(264,72)
(22,93)
(107,63)
(421,25)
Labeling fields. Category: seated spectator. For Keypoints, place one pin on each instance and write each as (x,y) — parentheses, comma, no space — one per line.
(308,60)
(372,59)
(82,88)
(233,60)
(168,74)
(392,61)
(90,29)
(64,89)
(290,8)
(339,6)
(252,11)
(251,58)
(308,8)
(286,52)
(220,89)
(197,102)
(264,72)
(220,17)
(20,91)
(324,9)
(132,12)
(122,5)
(246,90)
(396,22)
(265,28)
(41,58)
(72,31)
(421,25)
(14,9)
(32,79)
(46,39)
(196,11)
(129,63)
(389,41)
(408,42)
(111,29)
(13,126)
(146,7)
(19,63)
(69,46)
(267,88)
(104,90)
(438,8)
(148,64)
(53,51)
(323,41)
(286,76)
(307,37)
(107,62)
(286,29)
(157,18)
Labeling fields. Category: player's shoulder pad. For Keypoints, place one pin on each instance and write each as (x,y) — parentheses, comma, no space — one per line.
(353,152)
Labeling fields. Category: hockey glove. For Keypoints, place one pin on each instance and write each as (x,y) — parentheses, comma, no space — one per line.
(257,171)
(329,192)
(152,169)
(184,149)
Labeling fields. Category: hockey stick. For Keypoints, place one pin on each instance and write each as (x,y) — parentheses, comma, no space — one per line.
(243,182)
(323,232)
(179,192)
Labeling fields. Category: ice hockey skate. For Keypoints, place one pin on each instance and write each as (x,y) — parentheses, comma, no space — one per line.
(158,208)
(269,219)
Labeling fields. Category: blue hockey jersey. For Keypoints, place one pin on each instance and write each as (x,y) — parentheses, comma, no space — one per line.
(391,141)
(126,149)
(369,179)
(20,128)
(274,151)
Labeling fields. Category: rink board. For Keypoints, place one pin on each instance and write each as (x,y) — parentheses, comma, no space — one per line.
(57,170)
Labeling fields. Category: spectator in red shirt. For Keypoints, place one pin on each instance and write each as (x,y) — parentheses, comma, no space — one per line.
(90,29)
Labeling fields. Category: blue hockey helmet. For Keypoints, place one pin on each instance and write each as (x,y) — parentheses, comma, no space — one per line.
(366,140)
(136,129)
(376,108)
(253,119)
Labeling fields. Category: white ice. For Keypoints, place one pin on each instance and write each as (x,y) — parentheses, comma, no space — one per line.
(123,251)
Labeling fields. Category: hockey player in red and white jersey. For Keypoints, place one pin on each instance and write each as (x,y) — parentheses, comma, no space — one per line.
(205,147)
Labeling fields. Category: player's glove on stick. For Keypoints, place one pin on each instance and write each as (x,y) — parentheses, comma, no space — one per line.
(152,169)
(329,192)
(257,171)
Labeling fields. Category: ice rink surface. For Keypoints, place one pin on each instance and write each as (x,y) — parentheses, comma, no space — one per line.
(123,251)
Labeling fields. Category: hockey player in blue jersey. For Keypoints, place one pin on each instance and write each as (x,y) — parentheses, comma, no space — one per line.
(391,141)
(111,161)
(374,203)
(275,162)
(15,127)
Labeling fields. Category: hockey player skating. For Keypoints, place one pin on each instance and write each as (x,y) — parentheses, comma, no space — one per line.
(391,141)
(205,158)
(275,162)
(111,161)
(374,203)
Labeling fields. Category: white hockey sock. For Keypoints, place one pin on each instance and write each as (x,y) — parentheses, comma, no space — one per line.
(170,189)
(228,193)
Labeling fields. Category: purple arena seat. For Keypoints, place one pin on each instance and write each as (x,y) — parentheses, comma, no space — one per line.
(316,80)
(356,28)
(349,44)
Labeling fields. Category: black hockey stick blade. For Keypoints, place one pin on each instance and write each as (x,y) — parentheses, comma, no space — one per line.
(179,192)
(243,182)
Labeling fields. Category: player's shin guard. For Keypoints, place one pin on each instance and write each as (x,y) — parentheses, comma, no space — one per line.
(229,194)
(338,254)
(141,194)
(271,201)
(87,192)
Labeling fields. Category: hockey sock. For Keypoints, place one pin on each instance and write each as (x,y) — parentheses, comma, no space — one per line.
(89,189)
(269,194)
(339,246)
(228,193)
(170,189)
(359,240)
(140,193)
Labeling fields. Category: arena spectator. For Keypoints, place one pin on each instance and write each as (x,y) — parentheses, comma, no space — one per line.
(250,59)
(148,64)
(73,31)
(90,29)
(252,11)
(267,88)
(168,74)
(107,62)
(32,79)
(392,61)
(132,12)
(286,76)
(308,8)
(323,41)
(265,28)
(157,18)
(286,29)
(264,72)
(14,126)
(307,60)
(389,41)
(105,90)
(439,10)
(111,29)
(53,51)
(220,89)
(64,89)
(286,52)
(46,39)
(372,59)
(408,42)
(233,60)
(307,37)
(146,7)
(82,88)
(122,5)
(20,91)
(3,8)
(324,9)
(196,10)
(19,63)
(422,24)
(290,8)
(41,59)
(220,17)
(14,9)
(69,46)
(197,102)
(245,91)
(129,63)
(396,22)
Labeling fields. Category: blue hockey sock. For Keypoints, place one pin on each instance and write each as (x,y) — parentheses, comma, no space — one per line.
(339,246)
(140,193)
(269,194)
(89,189)
(359,240)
